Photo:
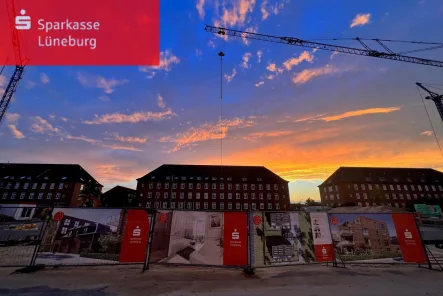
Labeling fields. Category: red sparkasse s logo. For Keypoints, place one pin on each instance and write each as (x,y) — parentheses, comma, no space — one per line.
(83,32)
(59,216)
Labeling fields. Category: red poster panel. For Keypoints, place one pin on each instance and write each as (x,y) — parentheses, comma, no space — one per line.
(409,239)
(135,239)
(324,253)
(235,239)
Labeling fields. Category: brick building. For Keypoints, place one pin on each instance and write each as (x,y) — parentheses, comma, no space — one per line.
(43,184)
(396,187)
(207,187)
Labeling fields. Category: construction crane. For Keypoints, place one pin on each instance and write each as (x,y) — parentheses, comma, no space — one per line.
(434,97)
(20,62)
(367,51)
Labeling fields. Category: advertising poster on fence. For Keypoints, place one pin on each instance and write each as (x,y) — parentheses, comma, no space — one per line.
(281,238)
(376,238)
(21,225)
(77,236)
(324,249)
(201,238)
(135,238)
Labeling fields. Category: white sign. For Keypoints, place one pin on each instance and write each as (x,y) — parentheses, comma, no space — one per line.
(320,229)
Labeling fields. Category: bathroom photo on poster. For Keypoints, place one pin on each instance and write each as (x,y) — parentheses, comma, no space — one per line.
(281,238)
(366,238)
(160,238)
(195,238)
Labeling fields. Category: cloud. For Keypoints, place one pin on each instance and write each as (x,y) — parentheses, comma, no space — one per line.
(211,43)
(266,11)
(167,60)
(44,78)
(246,58)
(42,126)
(12,117)
(361,20)
(108,85)
(308,74)
(198,52)
(310,118)
(269,134)
(333,55)
(160,101)
(292,62)
(104,98)
(230,77)
(259,55)
(83,138)
(272,67)
(235,14)
(64,119)
(111,173)
(205,132)
(259,84)
(360,113)
(140,140)
(15,132)
(245,40)
(2,80)
(199,6)
(427,133)
(135,117)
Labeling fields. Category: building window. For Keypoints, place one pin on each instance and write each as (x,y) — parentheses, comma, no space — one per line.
(214,195)
(157,195)
(275,186)
(237,186)
(222,206)
(355,187)
(222,186)
(268,186)
(25,186)
(31,195)
(262,206)
(52,186)
(206,195)
(433,188)
(276,196)
(40,196)
(214,186)
(398,187)
(419,187)
(401,196)
(156,205)
(189,205)
(415,196)
(34,186)
(197,206)
(254,206)
(391,187)
(253,195)
(159,185)
(182,185)
(229,206)
(198,195)
(17,186)
(260,187)
(214,205)
(58,195)
(357,195)
(237,196)
(166,185)
(366,204)
(260,196)
(245,186)
(64,230)
(206,186)
(245,206)
(199,186)
(166,195)
(151,185)
(384,187)
(172,204)
(174,195)
(245,195)
(189,195)
(222,196)
(182,195)
(426,187)
(67,222)
(369,186)
(205,205)
(190,185)
(49,196)
(252,186)
(229,186)
(174,185)
(394,196)
(269,206)
(365,195)
(268,196)
(181,205)
(229,195)
(405,187)
(43,186)
(237,206)
(277,206)
(22,195)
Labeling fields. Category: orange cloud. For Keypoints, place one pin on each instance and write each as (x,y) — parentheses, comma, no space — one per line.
(15,132)
(267,134)
(230,77)
(131,118)
(110,173)
(360,20)
(140,140)
(427,133)
(292,62)
(307,74)
(360,113)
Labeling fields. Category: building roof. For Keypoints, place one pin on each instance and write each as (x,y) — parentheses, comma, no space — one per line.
(38,171)
(384,175)
(119,188)
(207,172)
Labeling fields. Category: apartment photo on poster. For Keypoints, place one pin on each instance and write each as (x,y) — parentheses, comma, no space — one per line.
(371,238)
(324,249)
(77,236)
(281,238)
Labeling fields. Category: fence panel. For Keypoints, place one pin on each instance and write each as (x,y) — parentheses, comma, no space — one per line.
(200,238)
(21,228)
(377,238)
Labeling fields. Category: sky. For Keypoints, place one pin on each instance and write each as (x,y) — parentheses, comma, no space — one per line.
(299,112)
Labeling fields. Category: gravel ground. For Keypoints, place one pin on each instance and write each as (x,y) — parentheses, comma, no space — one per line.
(312,280)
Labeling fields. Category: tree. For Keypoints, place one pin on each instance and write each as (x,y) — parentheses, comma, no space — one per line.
(296,206)
(90,196)
(311,202)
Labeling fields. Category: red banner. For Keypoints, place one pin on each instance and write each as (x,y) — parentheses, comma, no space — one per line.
(135,240)
(324,253)
(235,239)
(409,239)
(82,32)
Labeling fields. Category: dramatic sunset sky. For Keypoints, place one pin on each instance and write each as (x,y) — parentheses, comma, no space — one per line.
(299,112)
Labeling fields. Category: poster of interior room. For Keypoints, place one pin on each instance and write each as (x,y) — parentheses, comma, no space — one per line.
(162,234)
(196,238)
(280,239)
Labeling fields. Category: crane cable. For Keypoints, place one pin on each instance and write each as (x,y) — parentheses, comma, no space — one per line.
(430,121)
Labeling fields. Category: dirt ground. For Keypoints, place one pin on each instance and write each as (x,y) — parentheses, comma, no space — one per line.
(312,280)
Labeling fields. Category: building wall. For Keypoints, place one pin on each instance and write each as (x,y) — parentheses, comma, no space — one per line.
(377,193)
(213,195)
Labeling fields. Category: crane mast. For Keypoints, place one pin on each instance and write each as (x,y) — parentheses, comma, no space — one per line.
(20,63)
(434,97)
(367,51)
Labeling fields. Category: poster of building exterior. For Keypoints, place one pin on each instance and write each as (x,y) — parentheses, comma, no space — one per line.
(281,238)
(20,229)
(373,237)
(200,238)
(77,236)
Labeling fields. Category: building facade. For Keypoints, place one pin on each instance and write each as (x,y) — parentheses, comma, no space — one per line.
(44,185)
(396,187)
(119,197)
(206,187)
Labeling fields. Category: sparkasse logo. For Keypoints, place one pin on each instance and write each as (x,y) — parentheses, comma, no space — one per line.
(235,235)
(23,22)
(137,231)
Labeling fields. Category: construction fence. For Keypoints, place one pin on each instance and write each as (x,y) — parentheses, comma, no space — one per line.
(105,236)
